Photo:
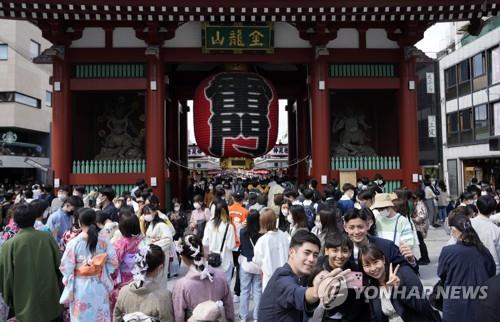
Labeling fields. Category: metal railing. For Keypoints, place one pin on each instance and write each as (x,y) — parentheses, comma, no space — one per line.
(365,163)
(108,166)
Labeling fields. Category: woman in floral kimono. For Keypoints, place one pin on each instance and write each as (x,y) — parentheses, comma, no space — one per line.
(160,234)
(86,266)
(126,247)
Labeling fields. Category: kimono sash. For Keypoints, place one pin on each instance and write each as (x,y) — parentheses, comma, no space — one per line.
(94,268)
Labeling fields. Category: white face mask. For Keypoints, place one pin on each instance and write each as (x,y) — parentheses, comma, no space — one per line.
(45,213)
(196,205)
(384,213)
(290,219)
(483,193)
(318,224)
(177,208)
(211,187)
(76,193)
(61,196)
(118,205)
(284,212)
(148,218)
(98,201)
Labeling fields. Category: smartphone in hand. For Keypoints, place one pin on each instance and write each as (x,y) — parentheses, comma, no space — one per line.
(354,280)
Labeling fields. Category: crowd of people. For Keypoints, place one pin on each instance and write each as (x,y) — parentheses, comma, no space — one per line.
(282,251)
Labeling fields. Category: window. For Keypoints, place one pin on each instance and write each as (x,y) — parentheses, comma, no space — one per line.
(466,126)
(4,51)
(6,97)
(451,82)
(463,78)
(27,100)
(48,98)
(481,124)
(452,128)
(494,65)
(478,65)
(34,49)
(496,119)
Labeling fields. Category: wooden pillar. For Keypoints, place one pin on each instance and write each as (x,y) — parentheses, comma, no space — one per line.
(320,120)
(408,133)
(292,138)
(183,150)
(155,129)
(173,144)
(61,129)
(302,136)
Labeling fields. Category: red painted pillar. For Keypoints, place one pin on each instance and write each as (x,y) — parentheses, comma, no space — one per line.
(183,153)
(61,130)
(302,135)
(292,138)
(408,131)
(155,129)
(320,120)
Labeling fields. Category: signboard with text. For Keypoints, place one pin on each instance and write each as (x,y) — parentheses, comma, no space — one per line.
(238,38)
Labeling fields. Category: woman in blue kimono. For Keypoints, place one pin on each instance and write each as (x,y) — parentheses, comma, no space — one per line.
(86,265)
(467,264)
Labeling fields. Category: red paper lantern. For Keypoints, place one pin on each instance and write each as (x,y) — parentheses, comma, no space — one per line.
(235,115)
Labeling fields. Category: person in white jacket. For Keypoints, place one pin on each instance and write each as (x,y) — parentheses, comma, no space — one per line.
(488,232)
(213,238)
(271,250)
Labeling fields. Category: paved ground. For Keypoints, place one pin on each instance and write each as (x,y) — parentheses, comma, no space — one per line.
(436,239)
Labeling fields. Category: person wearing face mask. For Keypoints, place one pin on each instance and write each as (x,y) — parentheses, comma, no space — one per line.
(62,220)
(327,222)
(390,224)
(178,219)
(209,194)
(345,203)
(105,202)
(158,233)
(378,184)
(199,216)
(297,218)
(62,194)
(41,209)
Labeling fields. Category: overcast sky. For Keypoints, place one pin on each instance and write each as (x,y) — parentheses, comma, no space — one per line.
(435,39)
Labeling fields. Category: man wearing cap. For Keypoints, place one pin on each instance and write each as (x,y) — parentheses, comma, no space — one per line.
(238,214)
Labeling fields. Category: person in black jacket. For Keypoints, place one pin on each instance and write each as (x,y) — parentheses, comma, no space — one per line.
(400,293)
(338,250)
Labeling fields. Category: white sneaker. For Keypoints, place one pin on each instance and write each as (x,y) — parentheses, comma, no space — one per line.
(236,299)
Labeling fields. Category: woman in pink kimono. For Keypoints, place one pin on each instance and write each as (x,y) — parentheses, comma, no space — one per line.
(126,247)
(86,266)
(201,283)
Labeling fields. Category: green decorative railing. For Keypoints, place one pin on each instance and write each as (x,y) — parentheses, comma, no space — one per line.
(390,186)
(108,166)
(365,163)
(109,71)
(118,188)
(363,70)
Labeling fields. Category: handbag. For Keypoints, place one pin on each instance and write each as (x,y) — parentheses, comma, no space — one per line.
(436,297)
(214,259)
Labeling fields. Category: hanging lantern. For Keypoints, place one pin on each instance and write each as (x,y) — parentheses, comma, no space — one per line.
(235,117)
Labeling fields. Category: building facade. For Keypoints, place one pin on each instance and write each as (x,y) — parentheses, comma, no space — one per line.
(124,71)
(470,109)
(25,103)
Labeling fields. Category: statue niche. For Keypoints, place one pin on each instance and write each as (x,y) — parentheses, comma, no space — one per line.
(349,135)
(119,136)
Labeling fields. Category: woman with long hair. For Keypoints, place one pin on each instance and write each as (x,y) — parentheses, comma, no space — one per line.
(443,200)
(201,283)
(326,223)
(219,238)
(143,298)
(250,273)
(199,216)
(401,297)
(297,218)
(468,263)
(86,266)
